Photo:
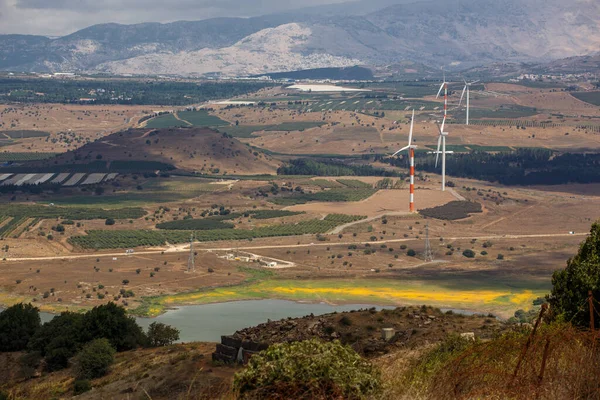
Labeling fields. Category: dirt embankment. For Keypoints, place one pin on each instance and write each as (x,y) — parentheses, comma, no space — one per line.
(362,329)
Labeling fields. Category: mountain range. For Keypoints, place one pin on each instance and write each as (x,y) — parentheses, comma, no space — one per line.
(456,33)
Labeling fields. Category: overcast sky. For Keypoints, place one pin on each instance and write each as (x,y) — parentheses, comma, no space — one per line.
(61,17)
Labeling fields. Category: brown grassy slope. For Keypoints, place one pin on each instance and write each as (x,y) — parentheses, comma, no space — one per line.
(174,372)
(190,149)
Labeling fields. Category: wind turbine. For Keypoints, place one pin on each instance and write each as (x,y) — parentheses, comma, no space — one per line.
(442,143)
(444,86)
(467,88)
(411,151)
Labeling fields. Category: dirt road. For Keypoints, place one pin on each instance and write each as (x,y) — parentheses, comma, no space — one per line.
(183,248)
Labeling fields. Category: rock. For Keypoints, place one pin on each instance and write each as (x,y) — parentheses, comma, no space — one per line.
(387,333)
(468,335)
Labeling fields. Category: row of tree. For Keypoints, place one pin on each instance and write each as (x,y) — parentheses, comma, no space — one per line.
(58,340)
(331,168)
(135,92)
(520,167)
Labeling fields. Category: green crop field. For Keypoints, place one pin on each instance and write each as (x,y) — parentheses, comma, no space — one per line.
(508,111)
(165,121)
(246,131)
(22,134)
(4,157)
(588,97)
(355,183)
(329,195)
(74,213)
(194,225)
(201,118)
(100,239)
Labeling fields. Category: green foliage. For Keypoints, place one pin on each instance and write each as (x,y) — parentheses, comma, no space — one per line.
(194,224)
(452,211)
(58,339)
(354,183)
(94,359)
(81,386)
(4,157)
(246,131)
(321,168)
(411,253)
(160,334)
(588,97)
(100,239)
(111,322)
(307,370)
(168,93)
(201,118)
(18,324)
(469,253)
(341,195)
(570,286)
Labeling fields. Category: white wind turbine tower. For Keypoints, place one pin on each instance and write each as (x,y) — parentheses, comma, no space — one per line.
(442,143)
(444,86)
(411,151)
(467,89)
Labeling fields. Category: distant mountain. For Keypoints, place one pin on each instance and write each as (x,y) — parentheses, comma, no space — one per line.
(460,34)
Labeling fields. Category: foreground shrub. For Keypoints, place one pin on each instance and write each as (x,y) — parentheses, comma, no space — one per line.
(17,324)
(94,359)
(81,386)
(308,370)
(160,334)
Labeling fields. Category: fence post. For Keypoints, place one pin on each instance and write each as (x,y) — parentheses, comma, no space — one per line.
(528,343)
(591,303)
(543,368)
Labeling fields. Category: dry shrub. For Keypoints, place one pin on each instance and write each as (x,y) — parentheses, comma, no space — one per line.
(486,370)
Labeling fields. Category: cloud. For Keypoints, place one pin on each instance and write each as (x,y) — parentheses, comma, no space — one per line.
(60,17)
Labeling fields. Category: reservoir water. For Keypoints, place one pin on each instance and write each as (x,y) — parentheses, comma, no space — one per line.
(207,322)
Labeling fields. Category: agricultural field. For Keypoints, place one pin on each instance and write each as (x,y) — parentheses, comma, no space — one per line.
(588,97)
(338,236)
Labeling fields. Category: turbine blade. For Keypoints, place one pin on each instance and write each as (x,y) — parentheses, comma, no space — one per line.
(440,91)
(475,81)
(399,151)
(412,123)
(437,153)
(443,123)
(462,95)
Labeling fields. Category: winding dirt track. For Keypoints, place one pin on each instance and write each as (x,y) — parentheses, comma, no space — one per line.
(183,248)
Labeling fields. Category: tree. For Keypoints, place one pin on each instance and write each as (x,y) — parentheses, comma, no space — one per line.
(312,368)
(469,253)
(411,253)
(17,325)
(111,322)
(109,221)
(94,359)
(570,286)
(58,340)
(160,334)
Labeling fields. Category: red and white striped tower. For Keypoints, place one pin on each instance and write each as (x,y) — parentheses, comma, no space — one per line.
(412,179)
(411,154)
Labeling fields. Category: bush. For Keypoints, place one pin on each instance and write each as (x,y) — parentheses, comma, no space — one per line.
(94,359)
(160,334)
(81,386)
(500,257)
(109,221)
(411,253)
(570,286)
(310,369)
(17,325)
(469,253)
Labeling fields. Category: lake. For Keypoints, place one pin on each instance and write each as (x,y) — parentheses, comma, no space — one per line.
(207,322)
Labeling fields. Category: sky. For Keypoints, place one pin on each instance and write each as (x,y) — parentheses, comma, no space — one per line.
(61,17)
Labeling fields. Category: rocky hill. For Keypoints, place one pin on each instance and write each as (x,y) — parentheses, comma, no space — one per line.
(461,33)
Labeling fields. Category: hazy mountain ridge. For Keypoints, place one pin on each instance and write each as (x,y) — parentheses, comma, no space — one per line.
(465,33)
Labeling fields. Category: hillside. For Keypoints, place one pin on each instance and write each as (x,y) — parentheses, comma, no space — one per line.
(188,149)
(435,32)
